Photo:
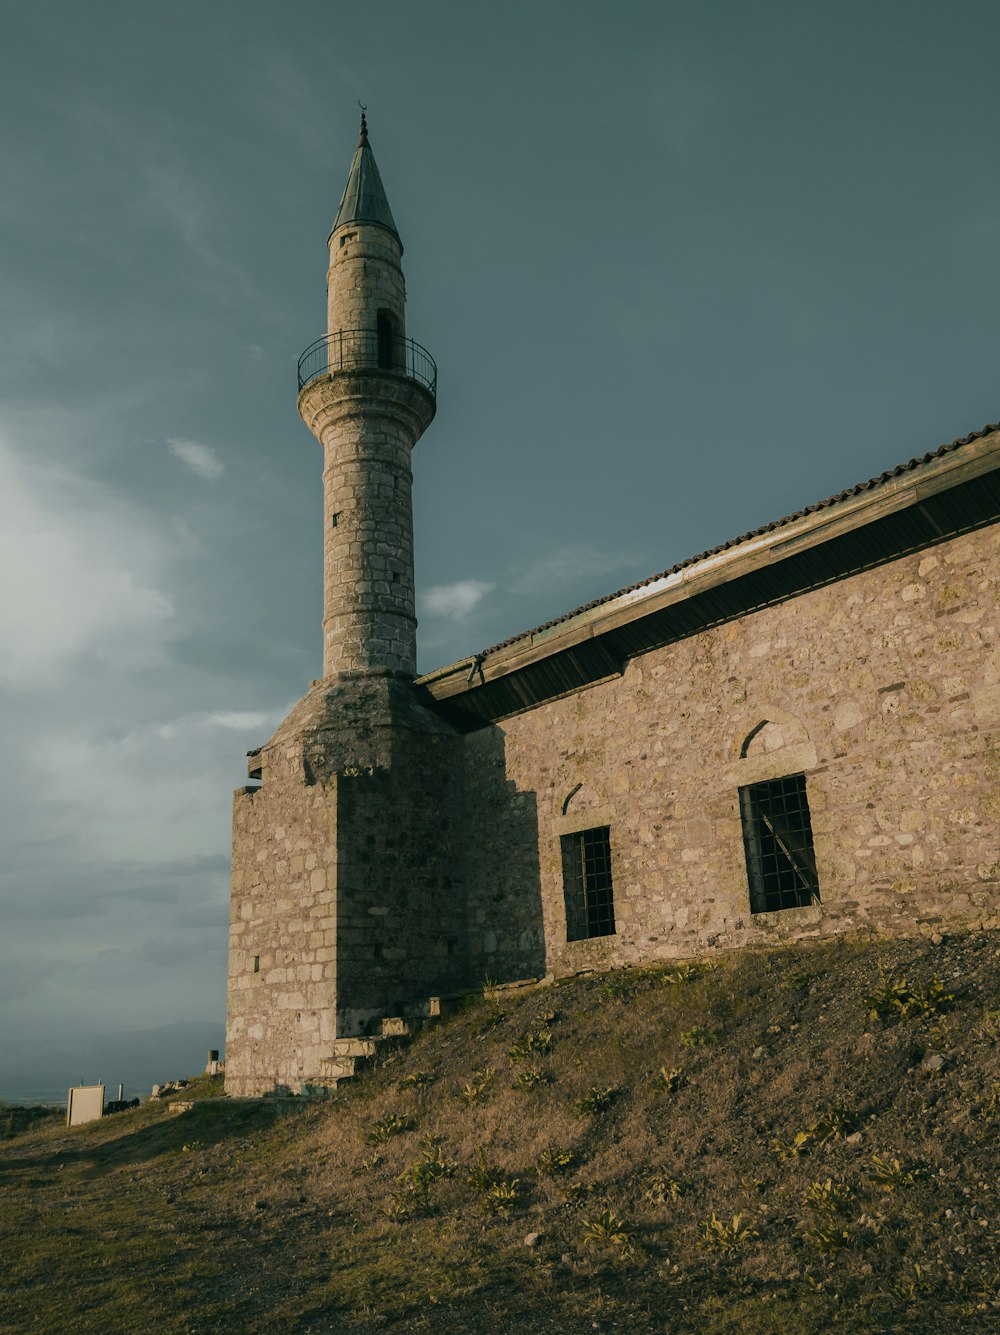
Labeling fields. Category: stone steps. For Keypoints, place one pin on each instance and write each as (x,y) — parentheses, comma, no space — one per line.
(350,1056)
(354,1047)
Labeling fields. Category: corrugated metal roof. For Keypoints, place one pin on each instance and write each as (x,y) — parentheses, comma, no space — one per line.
(364,197)
(745,537)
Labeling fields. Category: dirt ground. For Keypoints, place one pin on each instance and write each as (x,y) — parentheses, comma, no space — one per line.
(795,1140)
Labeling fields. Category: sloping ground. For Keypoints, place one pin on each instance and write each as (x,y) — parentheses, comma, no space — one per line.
(742,1148)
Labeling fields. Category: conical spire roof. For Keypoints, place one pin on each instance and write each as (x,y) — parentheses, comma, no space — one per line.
(364,196)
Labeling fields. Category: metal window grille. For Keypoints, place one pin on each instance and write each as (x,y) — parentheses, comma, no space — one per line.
(777,835)
(590,903)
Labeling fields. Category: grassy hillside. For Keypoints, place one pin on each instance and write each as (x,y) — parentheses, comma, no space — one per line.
(784,1141)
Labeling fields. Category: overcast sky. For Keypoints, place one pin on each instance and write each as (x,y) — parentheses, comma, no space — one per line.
(685,267)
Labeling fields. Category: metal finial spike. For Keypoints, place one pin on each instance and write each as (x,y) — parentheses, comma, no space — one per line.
(364,123)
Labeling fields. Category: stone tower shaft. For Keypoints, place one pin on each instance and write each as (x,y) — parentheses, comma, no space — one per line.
(367,394)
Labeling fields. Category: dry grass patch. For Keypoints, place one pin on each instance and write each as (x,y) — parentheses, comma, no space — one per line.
(660,1203)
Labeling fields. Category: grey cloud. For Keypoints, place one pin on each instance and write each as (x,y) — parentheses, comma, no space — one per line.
(619,388)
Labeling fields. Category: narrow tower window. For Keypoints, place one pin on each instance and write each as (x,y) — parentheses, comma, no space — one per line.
(587,887)
(386,338)
(777,835)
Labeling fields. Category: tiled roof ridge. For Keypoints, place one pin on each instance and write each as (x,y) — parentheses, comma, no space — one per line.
(745,537)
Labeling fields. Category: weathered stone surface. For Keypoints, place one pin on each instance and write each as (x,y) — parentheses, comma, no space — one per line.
(904,802)
(387,860)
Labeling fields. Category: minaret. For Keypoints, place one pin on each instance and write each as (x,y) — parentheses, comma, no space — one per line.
(346,904)
(367,395)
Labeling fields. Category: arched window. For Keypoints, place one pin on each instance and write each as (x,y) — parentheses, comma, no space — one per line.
(386,341)
(777,836)
(585,840)
(777,831)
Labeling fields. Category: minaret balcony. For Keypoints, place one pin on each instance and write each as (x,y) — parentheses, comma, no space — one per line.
(368,349)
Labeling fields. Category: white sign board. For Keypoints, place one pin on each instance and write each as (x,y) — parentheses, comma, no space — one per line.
(85,1104)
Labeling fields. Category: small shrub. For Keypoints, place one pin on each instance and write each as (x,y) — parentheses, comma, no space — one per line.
(890,1174)
(913,1289)
(497,1192)
(623,984)
(991,1023)
(477,1087)
(668,1080)
(610,1229)
(483,1175)
(416,1078)
(531,1079)
(898,999)
(418,1179)
(579,1191)
(501,1197)
(493,1018)
(796,980)
(687,972)
(827,1237)
(393,1125)
(726,1237)
(396,1206)
(370,1164)
(553,1161)
(596,1100)
(989,1104)
(529,1043)
(697,1037)
(664,1190)
(831,1126)
(828,1197)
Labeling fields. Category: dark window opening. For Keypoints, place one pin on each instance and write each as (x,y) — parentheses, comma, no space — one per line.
(334,519)
(256,964)
(590,902)
(386,338)
(777,835)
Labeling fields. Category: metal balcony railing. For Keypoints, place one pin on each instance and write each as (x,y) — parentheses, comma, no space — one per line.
(349,349)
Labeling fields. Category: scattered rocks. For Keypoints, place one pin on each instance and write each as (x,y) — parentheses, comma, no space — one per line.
(532,1239)
(933,1063)
(171,1087)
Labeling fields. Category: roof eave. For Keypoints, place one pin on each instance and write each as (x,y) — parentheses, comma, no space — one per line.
(975,458)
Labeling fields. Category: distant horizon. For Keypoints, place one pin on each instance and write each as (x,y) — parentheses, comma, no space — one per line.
(137,1059)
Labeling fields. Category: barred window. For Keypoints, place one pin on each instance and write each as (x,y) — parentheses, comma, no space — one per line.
(590,903)
(777,835)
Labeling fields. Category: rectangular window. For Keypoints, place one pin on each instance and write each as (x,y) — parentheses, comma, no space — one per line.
(777,836)
(590,902)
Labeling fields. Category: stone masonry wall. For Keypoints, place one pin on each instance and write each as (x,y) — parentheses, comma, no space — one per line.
(283,931)
(367,423)
(347,903)
(400,897)
(883,689)
(365,276)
